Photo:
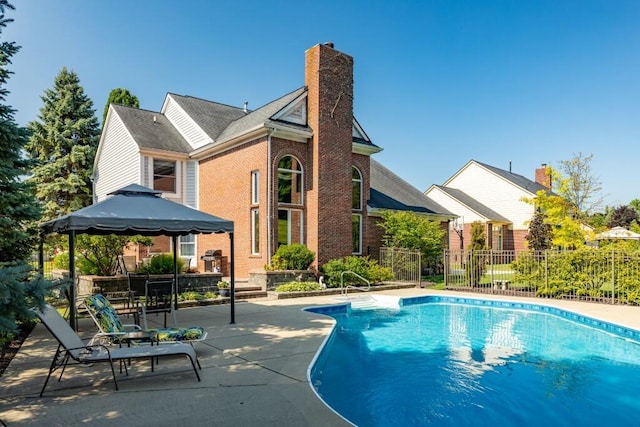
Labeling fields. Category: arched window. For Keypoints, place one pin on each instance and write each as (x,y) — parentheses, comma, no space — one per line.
(290,201)
(290,181)
(356,188)
(356,205)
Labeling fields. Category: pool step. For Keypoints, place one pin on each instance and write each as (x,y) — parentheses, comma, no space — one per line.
(371,302)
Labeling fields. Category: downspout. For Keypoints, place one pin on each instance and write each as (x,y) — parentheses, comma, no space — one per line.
(269,196)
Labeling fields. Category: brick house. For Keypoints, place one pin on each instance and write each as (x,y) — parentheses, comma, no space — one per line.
(492,196)
(296,170)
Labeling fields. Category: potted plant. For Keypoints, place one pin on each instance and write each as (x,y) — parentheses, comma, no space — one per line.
(223,288)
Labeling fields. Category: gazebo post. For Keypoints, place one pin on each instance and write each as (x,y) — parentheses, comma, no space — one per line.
(233,281)
(175,271)
(72,277)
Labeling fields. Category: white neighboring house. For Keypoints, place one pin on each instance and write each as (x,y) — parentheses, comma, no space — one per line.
(492,196)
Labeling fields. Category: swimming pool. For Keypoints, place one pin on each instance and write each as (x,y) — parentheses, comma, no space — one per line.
(457,361)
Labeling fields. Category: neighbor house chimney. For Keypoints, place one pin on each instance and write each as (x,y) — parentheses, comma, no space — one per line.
(543,176)
(329,80)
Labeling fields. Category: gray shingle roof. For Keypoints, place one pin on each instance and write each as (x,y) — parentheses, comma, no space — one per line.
(158,134)
(263,116)
(389,191)
(212,117)
(468,201)
(519,180)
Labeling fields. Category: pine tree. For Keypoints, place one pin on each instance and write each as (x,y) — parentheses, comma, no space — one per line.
(18,208)
(64,142)
(19,290)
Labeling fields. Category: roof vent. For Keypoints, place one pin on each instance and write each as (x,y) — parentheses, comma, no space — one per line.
(154,118)
(246,104)
(329,44)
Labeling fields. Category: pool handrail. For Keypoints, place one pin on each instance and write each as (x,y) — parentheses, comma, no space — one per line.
(360,288)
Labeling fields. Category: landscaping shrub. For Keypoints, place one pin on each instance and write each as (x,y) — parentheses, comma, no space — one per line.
(291,257)
(363,266)
(161,264)
(190,296)
(299,287)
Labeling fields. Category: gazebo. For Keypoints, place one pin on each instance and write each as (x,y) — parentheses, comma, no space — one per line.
(137,210)
(617,233)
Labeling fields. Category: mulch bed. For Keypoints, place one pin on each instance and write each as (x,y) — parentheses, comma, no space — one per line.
(11,348)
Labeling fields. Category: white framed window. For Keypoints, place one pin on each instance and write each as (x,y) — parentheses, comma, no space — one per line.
(255,231)
(187,245)
(290,187)
(290,226)
(356,233)
(356,189)
(165,175)
(255,187)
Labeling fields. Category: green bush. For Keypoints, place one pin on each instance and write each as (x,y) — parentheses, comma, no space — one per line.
(291,257)
(190,296)
(362,266)
(161,264)
(299,287)
(83,265)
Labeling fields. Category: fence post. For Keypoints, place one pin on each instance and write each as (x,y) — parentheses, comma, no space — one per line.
(613,277)
(546,270)
(446,258)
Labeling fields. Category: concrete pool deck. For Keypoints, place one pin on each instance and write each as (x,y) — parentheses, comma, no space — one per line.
(254,372)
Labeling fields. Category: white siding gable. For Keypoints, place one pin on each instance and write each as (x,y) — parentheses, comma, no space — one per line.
(118,160)
(494,192)
(452,205)
(190,131)
(296,112)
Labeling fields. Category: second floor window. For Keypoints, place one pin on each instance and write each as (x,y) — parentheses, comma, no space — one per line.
(255,187)
(356,189)
(164,175)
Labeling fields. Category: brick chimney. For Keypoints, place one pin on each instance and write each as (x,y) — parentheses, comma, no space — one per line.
(329,79)
(543,176)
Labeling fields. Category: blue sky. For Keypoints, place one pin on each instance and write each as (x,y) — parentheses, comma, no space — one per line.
(437,82)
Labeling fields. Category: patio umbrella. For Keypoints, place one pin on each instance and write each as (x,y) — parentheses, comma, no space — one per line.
(134,210)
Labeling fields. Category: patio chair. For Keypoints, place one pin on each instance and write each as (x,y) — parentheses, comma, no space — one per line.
(153,295)
(72,350)
(116,332)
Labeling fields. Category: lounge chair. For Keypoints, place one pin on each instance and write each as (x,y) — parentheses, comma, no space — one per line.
(108,322)
(71,347)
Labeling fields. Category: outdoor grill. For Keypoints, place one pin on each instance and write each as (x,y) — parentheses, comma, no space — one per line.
(211,260)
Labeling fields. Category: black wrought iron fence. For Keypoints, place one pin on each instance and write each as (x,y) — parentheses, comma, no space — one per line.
(588,274)
(406,264)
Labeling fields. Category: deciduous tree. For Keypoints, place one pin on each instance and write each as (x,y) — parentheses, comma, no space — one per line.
(577,183)
(120,96)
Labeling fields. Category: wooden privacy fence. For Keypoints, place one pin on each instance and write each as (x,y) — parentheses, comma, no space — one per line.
(588,274)
(406,264)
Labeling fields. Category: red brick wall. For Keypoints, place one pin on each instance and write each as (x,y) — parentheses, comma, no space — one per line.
(329,78)
(225,191)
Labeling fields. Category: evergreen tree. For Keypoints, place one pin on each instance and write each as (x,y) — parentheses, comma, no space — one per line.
(19,290)
(64,142)
(120,96)
(17,205)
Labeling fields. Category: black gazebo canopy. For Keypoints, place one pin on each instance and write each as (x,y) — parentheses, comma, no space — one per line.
(134,210)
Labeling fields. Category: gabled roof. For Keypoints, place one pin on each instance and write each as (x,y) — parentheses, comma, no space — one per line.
(151,129)
(212,117)
(389,191)
(263,116)
(471,203)
(518,180)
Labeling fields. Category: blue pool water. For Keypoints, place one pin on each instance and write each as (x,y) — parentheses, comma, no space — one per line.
(450,364)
